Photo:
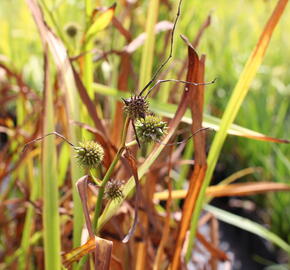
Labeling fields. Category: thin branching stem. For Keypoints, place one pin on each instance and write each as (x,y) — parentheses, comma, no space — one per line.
(179,81)
(170,54)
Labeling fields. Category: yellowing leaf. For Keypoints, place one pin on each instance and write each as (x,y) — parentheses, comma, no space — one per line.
(101,22)
(102,246)
(238,189)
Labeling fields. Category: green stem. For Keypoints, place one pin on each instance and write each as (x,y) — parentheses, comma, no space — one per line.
(148,48)
(88,58)
(108,175)
(103,185)
(131,143)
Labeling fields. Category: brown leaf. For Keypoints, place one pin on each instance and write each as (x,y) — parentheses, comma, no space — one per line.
(88,102)
(195,73)
(122,29)
(215,252)
(118,121)
(134,170)
(82,187)
(214,237)
(201,30)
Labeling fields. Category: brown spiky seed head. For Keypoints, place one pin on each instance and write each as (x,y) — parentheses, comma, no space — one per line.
(113,190)
(151,128)
(89,154)
(136,107)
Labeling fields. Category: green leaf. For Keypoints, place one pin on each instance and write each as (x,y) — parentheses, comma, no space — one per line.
(248,225)
(168,110)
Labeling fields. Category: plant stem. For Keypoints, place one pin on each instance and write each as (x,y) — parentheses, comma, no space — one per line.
(148,48)
(50,217)
(88,45)
(108,175)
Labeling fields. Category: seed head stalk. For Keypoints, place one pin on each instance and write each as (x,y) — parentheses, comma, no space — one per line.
(108,175)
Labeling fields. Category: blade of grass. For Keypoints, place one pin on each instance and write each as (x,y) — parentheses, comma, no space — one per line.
(51,222)
(62,62)
(148,49)
(28,224)
(93,26)
(88,58)
(233,107)
(184,169)
(248,225)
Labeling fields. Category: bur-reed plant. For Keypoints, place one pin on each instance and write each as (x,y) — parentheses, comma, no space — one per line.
(112,166)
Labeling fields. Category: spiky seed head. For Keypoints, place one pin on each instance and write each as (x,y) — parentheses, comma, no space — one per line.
(151,128)
(89,154)
(71,30)
(113,190)
(136,107)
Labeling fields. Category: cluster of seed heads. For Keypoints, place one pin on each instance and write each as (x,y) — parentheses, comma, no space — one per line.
(136,107)
(114,190)
(89,154)
(148,127)
(151,128)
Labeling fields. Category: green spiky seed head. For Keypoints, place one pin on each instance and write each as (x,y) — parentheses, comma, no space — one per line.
(113,190)
(71,30)
(136,107)
(89,154)
(150,128)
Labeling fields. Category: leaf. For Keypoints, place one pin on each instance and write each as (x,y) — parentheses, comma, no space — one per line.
(245,189)
(215,252)
(50,218)
(213,122)
(248,225)
(241,89)
(104,249)
(168,110)
(133,167)
(62,62)
(240,189)
(82,187)
(195,73)
(101,22)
